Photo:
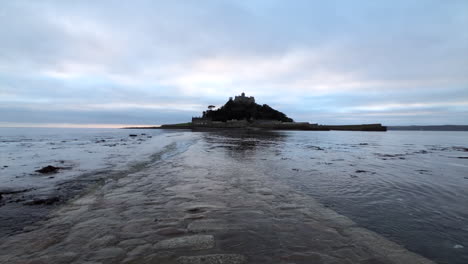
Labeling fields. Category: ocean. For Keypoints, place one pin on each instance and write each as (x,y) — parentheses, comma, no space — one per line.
(410,187)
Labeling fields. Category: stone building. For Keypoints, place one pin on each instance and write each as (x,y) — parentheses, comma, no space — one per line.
(244,99)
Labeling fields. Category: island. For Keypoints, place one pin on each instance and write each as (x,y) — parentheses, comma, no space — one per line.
(242,112)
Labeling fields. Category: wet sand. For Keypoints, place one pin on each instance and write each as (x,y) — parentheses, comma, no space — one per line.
(198,207)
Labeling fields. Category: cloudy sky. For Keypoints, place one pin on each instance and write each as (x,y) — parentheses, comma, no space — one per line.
(153,62)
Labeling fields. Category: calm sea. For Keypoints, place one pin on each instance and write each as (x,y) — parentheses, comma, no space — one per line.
(409,186)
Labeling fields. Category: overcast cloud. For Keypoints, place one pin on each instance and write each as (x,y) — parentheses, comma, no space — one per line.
(153,62)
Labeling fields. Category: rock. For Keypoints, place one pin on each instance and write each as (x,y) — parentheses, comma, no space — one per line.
(48,169)
(421,152)
(46,201)
(213,259)
(12,191)
(195,242)
(195,210)
(315,147)
(460,149)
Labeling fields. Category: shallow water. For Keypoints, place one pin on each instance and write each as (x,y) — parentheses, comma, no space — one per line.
(410,187)
(25,150)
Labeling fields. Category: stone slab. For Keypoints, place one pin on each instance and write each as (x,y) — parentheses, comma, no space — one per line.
(210,225)
(212,259)
(195,242)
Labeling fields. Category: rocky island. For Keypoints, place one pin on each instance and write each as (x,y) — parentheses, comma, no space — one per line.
(243,112)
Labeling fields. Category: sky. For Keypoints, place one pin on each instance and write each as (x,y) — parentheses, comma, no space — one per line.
(103,63)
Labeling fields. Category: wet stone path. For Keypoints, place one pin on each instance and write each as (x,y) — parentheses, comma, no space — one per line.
(189,209)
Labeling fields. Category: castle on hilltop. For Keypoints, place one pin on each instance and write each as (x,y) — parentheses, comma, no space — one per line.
(243,112)
(239,112)
(243,99)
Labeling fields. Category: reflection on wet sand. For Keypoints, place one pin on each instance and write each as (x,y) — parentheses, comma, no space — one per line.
(243,144)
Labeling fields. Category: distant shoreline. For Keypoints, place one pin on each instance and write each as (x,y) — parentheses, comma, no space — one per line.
(430,128)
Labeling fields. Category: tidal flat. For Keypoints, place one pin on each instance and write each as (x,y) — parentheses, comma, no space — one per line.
(237,197)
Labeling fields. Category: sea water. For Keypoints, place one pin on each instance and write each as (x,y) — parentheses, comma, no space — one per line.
(409,186)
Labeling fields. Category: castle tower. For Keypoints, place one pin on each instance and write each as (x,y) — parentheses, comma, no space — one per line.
(244,99)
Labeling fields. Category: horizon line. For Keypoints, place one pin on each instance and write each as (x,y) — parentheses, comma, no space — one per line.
(98,125)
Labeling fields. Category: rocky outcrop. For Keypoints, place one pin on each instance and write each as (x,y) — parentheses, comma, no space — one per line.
(48,169)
